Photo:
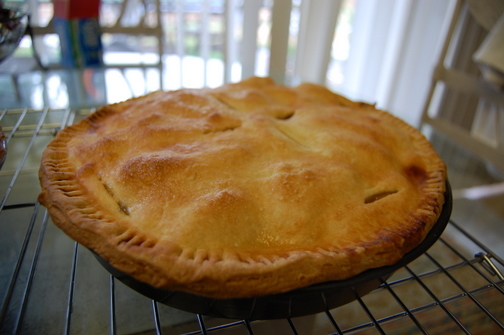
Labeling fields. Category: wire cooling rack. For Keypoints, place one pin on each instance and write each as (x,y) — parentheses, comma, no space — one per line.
(50,284)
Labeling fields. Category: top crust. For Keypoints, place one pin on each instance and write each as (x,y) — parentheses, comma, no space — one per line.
(244,190)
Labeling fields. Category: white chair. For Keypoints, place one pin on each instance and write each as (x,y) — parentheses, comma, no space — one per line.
(477,138)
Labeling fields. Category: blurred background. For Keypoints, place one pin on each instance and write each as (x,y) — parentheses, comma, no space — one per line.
(363,49)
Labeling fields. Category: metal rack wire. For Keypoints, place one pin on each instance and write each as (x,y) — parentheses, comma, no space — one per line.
(50,284)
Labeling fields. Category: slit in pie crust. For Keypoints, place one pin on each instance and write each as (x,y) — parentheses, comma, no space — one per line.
(244,190)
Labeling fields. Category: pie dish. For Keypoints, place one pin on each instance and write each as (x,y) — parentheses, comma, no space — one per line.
(244,190)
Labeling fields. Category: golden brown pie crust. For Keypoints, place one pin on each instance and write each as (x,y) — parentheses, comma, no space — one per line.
(244,190)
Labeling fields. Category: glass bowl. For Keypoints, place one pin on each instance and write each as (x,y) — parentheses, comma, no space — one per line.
(13,25)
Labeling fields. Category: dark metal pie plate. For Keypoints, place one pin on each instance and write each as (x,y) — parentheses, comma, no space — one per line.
(305,301)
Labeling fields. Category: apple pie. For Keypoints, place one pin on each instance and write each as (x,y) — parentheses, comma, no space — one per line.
(245,190)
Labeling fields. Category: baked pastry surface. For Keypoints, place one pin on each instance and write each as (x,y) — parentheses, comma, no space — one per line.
(244,190)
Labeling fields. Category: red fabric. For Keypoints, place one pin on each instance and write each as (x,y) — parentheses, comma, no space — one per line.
(76,9)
